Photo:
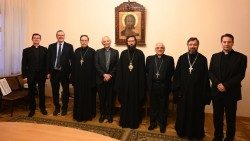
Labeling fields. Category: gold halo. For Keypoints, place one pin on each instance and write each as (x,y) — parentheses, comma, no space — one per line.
(127,13)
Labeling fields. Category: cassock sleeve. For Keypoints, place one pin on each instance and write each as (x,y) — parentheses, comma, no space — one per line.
(177,82)
(236,79)
(142,78)
(207,92)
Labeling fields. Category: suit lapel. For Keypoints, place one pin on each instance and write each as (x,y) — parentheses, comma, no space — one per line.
(103,61)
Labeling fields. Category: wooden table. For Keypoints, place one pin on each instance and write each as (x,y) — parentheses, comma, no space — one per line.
(19,131)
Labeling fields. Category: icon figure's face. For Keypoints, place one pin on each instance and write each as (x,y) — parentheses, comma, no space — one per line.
(130,21)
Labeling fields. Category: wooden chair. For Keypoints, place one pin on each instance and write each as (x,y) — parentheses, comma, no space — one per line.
(18,94)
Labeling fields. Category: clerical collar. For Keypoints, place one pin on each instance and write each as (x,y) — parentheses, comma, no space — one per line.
(84,48)
(35,46)
(159,56)
(227,53)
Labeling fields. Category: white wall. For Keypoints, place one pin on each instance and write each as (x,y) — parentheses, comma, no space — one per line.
(169,21)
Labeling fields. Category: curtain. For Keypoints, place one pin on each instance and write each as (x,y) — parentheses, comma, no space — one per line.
(13,24)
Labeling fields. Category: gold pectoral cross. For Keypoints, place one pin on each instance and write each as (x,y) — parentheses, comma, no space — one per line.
(130,67)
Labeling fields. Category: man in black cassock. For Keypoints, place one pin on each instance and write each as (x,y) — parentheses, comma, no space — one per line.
(34,70)
(191,92)
(159,69)
(130,84)
(84,81)
(227,70)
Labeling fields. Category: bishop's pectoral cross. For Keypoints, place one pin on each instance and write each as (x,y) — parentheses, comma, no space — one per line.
(157,75)
(190,70)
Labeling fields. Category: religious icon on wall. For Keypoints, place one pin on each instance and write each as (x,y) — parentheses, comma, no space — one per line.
(129,20)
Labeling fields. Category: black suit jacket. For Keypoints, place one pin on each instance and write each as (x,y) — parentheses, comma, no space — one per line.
(28,63)
(65,60)
(168,63)
(100,64)
(236,73)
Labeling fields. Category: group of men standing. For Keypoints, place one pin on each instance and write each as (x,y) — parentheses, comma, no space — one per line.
(130,78)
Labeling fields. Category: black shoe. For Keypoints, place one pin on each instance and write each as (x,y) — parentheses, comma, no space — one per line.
(217,139)
(101,119)
(31,114)
(110,119)
(152,126)
(162,129)
(64,112)
(56,112)
(44,112)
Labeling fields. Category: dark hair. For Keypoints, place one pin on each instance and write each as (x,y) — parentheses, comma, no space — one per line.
(131,36)
(36,34)
(227,35)
(129,16)
(84,36)
(193,39)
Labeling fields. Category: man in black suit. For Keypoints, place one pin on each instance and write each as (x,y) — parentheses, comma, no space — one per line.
(106,61)
(159,69)
(60,55)
(227,70)
(34,71)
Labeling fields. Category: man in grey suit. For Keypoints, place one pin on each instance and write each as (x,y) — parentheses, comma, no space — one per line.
(106,61)
(60,56)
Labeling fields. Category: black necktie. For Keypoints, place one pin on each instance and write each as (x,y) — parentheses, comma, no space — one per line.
(58,65)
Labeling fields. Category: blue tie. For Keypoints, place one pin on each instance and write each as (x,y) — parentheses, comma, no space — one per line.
(58,64)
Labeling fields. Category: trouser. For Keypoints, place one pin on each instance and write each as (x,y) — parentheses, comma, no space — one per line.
(106,97)
(229,107)
(35,80)
(57,78)
(159,104)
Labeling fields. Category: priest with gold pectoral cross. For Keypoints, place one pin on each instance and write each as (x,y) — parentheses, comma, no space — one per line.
(191,91)
(130,84)
(159,70)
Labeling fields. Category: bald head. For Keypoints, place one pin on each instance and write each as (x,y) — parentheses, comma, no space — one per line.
(159,48)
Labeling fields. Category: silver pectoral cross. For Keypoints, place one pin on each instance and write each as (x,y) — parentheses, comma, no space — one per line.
(157,74)
(81,61)
(190,69)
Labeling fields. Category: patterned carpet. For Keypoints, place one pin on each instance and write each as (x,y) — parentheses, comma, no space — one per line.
(117,133)
(136,135)
(107,131)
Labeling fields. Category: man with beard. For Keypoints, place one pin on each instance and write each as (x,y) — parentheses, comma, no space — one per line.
(130,84)
(191,92)
(83,81)
(227,70)
(159,69)
(106,61)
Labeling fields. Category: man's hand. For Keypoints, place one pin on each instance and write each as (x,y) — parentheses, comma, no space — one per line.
(48,76)
(221,87)
(106,77)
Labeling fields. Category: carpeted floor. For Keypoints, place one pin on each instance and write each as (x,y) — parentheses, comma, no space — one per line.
(117,133)
(113,129)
